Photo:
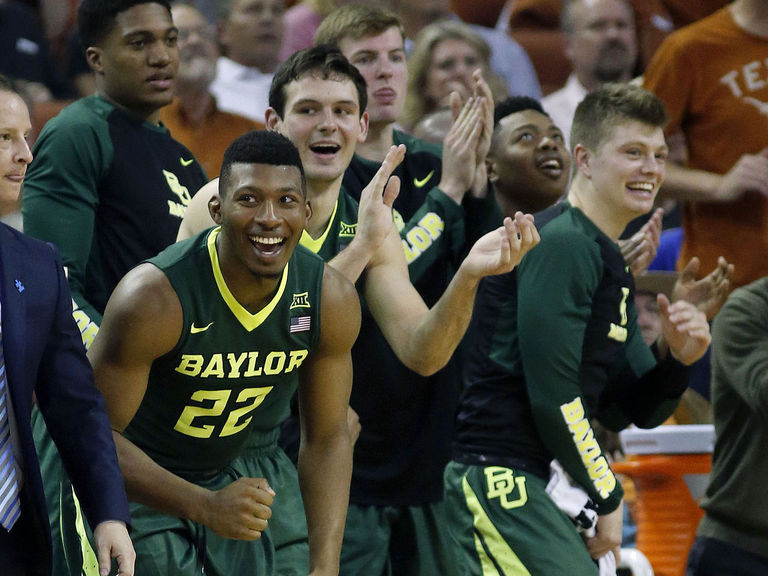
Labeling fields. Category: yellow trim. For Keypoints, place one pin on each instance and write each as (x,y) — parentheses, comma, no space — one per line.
(497,546)
(248,320)
(314,244)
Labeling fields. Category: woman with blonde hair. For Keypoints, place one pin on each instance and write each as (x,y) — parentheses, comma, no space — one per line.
(443,58)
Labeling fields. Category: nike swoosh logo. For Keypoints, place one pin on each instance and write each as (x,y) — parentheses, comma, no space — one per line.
(186,162)
(420,183)
(194,329)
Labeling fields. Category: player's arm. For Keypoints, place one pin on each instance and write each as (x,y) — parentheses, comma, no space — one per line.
(749,174)
(556,290)
(424,339)
(60,195)
(325,455)
(143,321)
(197,217)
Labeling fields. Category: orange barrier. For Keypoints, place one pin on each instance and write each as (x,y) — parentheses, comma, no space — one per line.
(665,511)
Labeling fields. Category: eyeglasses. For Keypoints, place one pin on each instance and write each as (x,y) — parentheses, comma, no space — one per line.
(206,33)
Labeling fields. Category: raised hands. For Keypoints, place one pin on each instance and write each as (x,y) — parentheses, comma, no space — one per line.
(500,250)
(708,294)
(374,217)
(684,330)
(241,509)
(467,143)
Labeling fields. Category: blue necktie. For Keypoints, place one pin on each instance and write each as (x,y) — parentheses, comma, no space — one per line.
(9,484)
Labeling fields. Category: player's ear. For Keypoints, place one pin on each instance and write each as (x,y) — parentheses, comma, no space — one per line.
(490,168)
(214,208)
(93,55)
(363,127)
(582,158)
(309,210)
(272,120)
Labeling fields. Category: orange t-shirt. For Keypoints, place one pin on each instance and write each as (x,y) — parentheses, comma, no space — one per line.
(208,141)
(713,77)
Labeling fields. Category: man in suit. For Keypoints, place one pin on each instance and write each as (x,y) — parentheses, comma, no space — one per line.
(43,355)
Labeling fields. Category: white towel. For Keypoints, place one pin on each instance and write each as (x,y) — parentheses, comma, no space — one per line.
(573,500)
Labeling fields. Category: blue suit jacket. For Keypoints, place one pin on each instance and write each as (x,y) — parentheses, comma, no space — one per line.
(44,354)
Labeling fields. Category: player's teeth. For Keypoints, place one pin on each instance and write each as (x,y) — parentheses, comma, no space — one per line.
(263,240)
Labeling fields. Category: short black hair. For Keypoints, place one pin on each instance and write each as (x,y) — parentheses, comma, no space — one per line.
(260,147)
(323,61)
(514,104)
(96,18)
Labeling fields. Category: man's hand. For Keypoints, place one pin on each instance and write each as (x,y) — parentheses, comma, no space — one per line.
(684,329)
(749,174)
(460,148)
(241,509)
(608,536)
(483,93)
(640,249)
(500,250)
(374,217)
(708,294)
(112,541)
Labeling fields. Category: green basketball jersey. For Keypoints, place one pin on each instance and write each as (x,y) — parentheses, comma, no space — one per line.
(340,231)
(232,372)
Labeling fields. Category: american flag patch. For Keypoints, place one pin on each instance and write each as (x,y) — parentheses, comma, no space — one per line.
(300,323)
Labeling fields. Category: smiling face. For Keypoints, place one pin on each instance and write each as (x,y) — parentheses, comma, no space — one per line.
(15,156)
(528,161)
(381,61)
(253,33)
(262,214)
(627,169)
(453,62)
(136,63)
(322,119)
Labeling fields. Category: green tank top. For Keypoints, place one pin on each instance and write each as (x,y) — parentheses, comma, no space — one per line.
(340,231)
(231,372)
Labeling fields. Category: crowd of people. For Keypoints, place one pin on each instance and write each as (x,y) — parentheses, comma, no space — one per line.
(334,288)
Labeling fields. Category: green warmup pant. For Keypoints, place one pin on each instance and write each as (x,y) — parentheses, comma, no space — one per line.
(397,541)
(503,523)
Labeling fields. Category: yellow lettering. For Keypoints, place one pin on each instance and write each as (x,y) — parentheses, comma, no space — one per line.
(433,224)
(579,429)
(618,333)
(176,209)
(234,364)
(190,364)
(573,411)
(410,253)
(623,306)
(502,482)
(274,363)
(297,357)
(215,367)
(606,484)
(419,238)
(252,370)
(598,468)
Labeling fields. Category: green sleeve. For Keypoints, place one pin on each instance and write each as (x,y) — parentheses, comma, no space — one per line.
(557,282)
(61,197)
(436,228)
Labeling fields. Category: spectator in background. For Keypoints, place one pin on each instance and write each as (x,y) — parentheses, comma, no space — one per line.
(732,537)
(25,55)
(108,187)
(444,57)
(250,33)
(601,46)
(193,117)
(715,94)
(508,59)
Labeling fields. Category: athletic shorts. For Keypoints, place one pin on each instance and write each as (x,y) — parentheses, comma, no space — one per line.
(288,525)
(503,522)
(399,541)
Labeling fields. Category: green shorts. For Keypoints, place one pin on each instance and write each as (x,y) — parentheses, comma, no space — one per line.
(288,525)
(399,541)
(504,523)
